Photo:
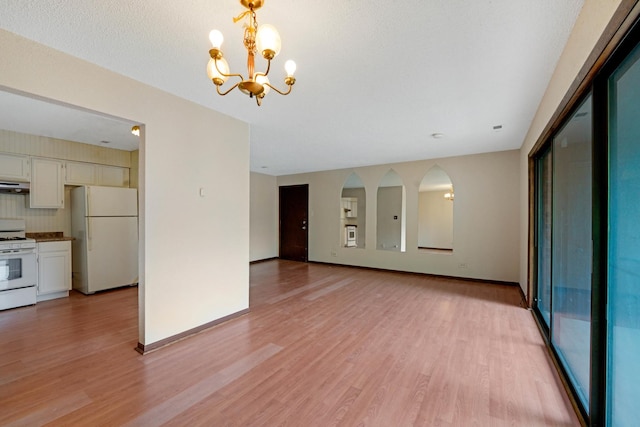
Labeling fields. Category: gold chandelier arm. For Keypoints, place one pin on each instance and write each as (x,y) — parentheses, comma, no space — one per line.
(279,91)
(230,89)
(267,70)
(215,62)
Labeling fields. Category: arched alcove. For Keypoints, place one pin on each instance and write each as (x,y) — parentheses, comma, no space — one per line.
(353,208)
(391,213)
(435,211)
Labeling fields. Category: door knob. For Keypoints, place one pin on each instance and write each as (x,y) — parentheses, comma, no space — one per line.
(304,227)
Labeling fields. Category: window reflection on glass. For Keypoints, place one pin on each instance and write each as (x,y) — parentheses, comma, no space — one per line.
(435,211)
(624,244)
(571,248)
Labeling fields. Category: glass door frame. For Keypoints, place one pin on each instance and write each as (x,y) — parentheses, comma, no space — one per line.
(596,83)
(536,158)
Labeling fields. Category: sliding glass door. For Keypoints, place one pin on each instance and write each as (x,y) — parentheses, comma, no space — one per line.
(571,248)
(563,237)
(623,330)
(587,241)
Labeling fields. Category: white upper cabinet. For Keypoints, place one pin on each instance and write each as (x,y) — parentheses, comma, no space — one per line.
(349,207)
(112,176)
(79,173)
(47,183)
(14,167)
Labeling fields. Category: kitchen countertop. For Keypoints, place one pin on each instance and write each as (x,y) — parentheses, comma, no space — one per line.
(49,236)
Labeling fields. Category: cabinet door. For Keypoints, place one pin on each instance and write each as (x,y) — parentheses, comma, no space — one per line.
(47,184)
(14,167)
(54,267)
(112,176)
(78,173)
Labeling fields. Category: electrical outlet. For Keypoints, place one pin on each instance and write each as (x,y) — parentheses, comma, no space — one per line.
(463,265)
(334,253)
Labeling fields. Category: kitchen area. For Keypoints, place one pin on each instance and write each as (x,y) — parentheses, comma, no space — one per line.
(68,218)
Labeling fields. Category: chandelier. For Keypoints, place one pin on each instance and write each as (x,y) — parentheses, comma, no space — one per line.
(263,39)
(449,195)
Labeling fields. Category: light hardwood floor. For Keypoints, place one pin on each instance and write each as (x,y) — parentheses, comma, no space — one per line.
(322,345)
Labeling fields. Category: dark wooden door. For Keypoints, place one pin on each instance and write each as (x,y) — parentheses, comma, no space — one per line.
(294,225)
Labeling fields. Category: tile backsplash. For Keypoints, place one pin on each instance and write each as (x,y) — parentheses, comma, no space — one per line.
(15,206)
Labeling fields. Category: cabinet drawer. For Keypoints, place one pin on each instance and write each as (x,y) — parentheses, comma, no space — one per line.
(17,297)
(63,245)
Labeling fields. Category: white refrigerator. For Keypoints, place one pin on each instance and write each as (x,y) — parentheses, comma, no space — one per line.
(104,223)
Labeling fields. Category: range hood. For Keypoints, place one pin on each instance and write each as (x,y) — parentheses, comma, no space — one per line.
(14,187)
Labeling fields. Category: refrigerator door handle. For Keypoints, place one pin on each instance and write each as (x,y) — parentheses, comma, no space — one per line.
(87,201)
(89,245)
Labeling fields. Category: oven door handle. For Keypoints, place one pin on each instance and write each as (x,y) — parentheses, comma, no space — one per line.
(18,251)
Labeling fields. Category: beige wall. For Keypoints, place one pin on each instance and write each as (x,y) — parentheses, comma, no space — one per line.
(194,250)
(389,218)
(486,221)
(435,220)
(264,217)
(589,26)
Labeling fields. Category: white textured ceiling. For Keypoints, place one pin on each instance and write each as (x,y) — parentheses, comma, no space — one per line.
(375,78)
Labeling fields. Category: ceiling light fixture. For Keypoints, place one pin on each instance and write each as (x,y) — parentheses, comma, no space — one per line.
(135,130)
(264,39)
(449,195)
(437,135)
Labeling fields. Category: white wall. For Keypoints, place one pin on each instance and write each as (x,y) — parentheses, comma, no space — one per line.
(194,251)
(264,217)
(486,222)
(589,27)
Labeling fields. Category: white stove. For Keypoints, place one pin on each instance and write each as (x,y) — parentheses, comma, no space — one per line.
(18,265)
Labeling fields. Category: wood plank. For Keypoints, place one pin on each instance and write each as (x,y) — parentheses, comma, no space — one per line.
(323,345)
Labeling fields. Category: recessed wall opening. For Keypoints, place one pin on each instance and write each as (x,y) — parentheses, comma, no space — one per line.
(435,211)
(391,214)
(353,209)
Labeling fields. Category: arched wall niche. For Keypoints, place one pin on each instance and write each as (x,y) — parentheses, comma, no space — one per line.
(391,213)
(353,209)
(435,211)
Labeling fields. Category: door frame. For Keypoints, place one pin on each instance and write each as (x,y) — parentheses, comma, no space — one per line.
(280,218)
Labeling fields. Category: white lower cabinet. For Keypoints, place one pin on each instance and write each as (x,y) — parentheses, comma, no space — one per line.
(54,269)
